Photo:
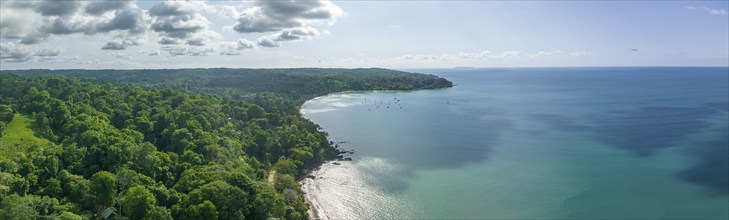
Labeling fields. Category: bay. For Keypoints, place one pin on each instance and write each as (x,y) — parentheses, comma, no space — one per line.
(613,142)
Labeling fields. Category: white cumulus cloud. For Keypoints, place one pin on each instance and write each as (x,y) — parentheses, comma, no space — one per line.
(15,53)
(290,20)
(31,22)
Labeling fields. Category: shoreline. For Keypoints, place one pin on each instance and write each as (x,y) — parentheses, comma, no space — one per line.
(316,211)
(306,184)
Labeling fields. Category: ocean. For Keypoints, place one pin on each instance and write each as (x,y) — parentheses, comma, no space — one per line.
(517,143)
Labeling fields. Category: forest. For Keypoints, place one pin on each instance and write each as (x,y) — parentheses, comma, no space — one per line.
(168,144)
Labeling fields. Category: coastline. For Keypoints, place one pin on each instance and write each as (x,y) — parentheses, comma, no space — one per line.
(310,184)
(307,184)
(316,212)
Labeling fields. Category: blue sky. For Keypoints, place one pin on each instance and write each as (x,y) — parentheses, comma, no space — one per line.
(391,34)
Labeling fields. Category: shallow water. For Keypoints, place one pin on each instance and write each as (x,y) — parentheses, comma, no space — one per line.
(532,143)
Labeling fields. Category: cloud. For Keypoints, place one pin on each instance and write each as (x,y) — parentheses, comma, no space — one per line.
(488,55)
(230,53)
(180,22)
(131,20)
(188,51)
(713,11)
(119,44)
(169,41)
(581,53)
(244,44)
(196,42)
(11,52)
(228,11)
(179,25)
(200,51)
(149,52)
(270,16)
(291,20)
(120,55)
(509,54)
(31,22)
(543,54)
(114,45)
(229,48)
(296,34)
(47,52)
(268,41)
(473,56)
(293,34)
(56,8)
(176,8)
(176,22)
(101,7)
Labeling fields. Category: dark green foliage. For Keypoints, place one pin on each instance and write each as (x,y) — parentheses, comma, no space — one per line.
(203,211)
(158,144)
(267,204)
(158,213)
(103,184)
(27,207)
(17,207)
(286,166)
(6,115)
(296,83)
(231,201)
(138,202)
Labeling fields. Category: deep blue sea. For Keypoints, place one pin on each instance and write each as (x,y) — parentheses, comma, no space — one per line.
(517,143)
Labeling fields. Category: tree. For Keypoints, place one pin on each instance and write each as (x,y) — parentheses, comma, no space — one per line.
(103,186)
(285,181)
(16,207)
(78,190)
(36,101)
(180,141)
(268,204)
(300,157)
(126,178)
(137,202)
(203,211)
(69,216)
(6,113)
(53,188)
(231,201)
(158,213)
(285,166)
(43,126)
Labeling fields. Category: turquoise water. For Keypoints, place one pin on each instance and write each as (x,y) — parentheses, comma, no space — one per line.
(626,143)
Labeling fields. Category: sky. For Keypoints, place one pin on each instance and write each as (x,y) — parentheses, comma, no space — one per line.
(360,34)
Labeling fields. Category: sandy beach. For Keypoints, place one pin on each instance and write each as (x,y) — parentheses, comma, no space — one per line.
(315,209)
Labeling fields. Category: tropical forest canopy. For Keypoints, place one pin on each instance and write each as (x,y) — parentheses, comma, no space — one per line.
(164,144)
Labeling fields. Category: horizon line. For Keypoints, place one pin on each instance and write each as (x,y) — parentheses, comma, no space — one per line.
(396,68)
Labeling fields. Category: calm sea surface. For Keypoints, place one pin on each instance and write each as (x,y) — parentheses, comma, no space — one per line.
(648,143)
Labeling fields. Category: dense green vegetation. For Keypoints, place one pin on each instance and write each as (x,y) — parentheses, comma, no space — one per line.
(186,144)
(294,84)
